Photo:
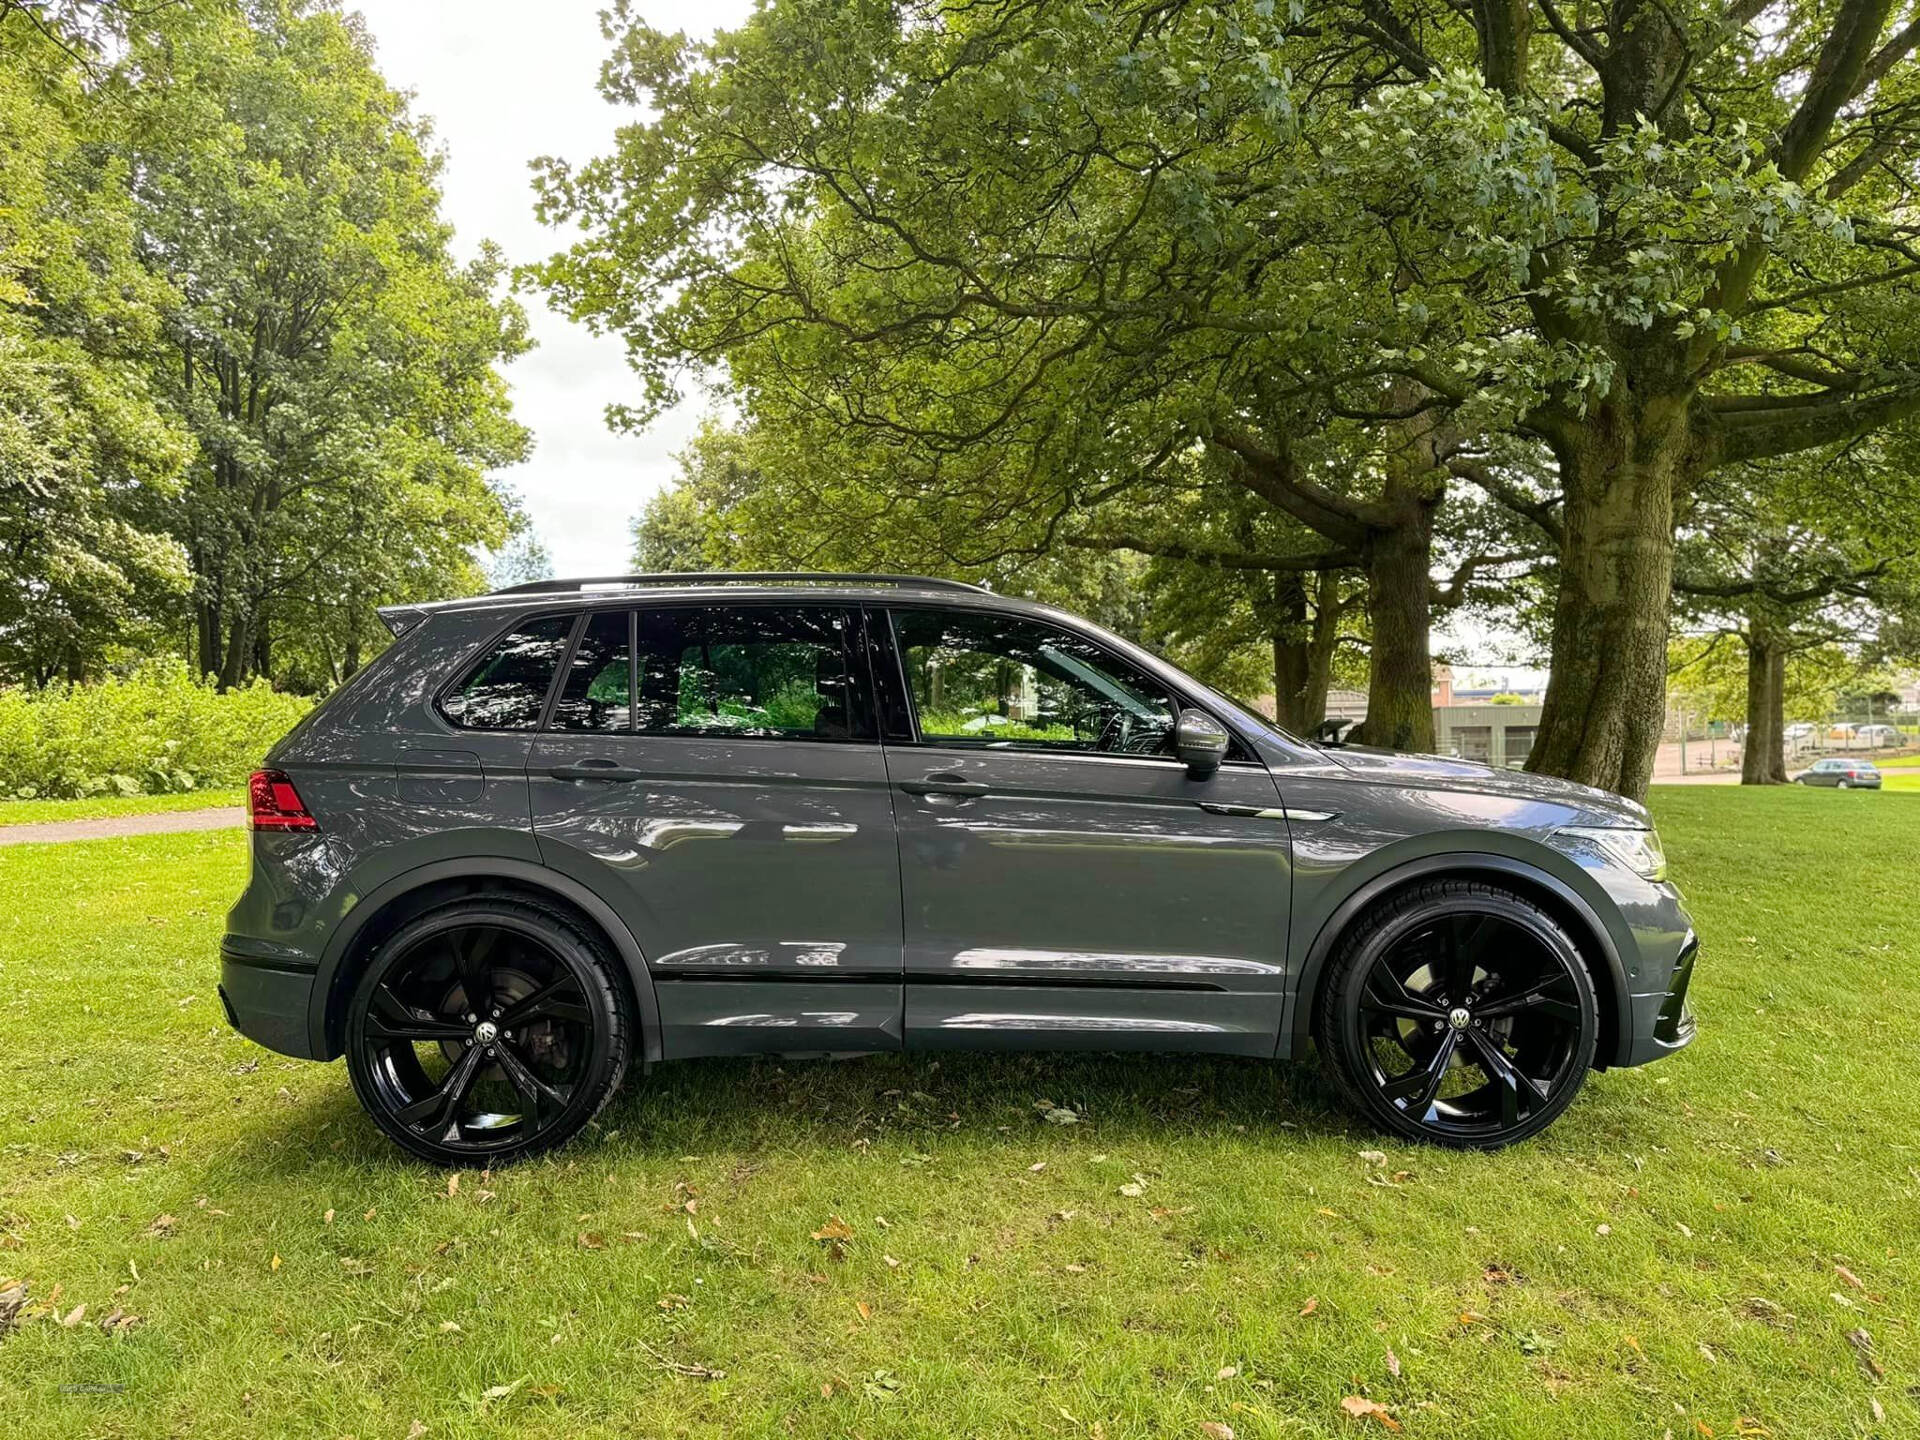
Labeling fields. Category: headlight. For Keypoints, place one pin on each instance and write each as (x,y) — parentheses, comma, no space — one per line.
(1638,850)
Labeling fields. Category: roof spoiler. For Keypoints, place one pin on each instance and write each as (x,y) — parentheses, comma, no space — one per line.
(401,618)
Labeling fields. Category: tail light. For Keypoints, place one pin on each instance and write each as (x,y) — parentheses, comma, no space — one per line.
(273,803)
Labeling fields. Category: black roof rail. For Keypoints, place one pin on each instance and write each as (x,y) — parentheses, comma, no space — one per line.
(734,577)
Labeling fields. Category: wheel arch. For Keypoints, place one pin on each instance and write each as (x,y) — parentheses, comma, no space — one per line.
(1597,945)
(401,897)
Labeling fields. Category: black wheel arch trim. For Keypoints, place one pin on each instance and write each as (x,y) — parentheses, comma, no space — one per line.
(1472,865)
(523,874)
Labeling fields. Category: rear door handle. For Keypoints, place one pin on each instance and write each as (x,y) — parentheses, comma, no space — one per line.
(596,770)
(947,784)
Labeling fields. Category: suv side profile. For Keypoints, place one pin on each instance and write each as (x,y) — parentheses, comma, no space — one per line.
(567,825)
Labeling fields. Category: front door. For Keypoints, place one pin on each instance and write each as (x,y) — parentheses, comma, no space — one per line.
(714,773)
(1066,883)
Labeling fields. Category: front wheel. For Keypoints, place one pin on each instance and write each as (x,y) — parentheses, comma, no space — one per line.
(487,1030)
(1458,1013)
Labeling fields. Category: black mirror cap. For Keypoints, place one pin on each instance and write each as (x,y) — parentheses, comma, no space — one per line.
(1200,742)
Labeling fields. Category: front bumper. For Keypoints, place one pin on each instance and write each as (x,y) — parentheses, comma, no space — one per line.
(1663,1020)
(267,999)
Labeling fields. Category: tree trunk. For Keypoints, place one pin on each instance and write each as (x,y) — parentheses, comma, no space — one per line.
(263,645)
(1400,680)
(1327,610)
(1763,759)
(239,647)
(1290,651)
(206,628)
(1305,633)
(1606,695)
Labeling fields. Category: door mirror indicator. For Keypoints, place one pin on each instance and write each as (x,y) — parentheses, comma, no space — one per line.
(1200,741)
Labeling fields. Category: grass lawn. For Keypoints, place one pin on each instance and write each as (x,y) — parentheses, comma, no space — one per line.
(1687,1251)
(33,812)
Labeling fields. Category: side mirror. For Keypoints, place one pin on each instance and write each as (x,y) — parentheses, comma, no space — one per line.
(1200,742)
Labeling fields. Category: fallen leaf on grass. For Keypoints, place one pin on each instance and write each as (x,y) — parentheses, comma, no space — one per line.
(692,1372)
(416,1430)
(498,1392)
(1226,1372)
(13,1295)
(1133,1190)
(274,1264)
(118,1322)
(1848,1276)
(835,1229)
(1214,1430)
(1374,1157)
(162,1227)
(453,1189)
(1359,1407)
(1472,1317)
(591,1240)
(73,1317)
(1313,1304)
(1393,1363)
(1862,1344)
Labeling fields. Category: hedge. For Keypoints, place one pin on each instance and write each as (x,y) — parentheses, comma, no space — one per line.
(158,730)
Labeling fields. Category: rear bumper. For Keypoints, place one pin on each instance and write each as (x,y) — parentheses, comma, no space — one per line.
(267,999)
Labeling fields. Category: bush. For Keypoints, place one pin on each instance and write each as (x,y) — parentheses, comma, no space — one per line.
(157,731)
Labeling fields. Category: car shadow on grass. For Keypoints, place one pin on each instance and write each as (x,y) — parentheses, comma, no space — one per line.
(911,1103)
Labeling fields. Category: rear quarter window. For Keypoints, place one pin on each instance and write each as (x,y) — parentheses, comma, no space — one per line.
(506,689)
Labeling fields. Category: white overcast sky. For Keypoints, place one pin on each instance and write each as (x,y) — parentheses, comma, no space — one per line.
(503,84)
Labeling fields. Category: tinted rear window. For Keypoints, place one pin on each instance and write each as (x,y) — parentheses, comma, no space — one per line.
(507,688)
(598,692)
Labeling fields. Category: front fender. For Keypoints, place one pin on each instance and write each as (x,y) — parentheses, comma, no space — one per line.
(1324,911)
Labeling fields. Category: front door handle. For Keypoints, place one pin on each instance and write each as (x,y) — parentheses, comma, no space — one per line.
(947,783)
(596,769)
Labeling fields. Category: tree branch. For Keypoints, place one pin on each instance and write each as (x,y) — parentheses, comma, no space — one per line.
(1223,559)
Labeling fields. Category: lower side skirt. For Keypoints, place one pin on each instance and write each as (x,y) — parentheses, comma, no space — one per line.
(765,1016)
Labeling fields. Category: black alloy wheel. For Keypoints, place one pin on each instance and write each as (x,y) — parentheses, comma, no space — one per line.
(487,1031)
(1461,1014)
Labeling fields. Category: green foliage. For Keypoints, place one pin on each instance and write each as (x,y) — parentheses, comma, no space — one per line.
(81,434)
(156,730)
(985,276)
(245,387)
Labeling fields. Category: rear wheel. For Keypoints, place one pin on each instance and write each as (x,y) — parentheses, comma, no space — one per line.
(1843,785)
(487,1030)
(1458,1013)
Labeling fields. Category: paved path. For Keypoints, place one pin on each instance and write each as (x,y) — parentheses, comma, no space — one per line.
(109,827)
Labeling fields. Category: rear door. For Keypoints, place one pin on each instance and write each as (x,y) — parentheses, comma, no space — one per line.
(1066,883)
(715,773)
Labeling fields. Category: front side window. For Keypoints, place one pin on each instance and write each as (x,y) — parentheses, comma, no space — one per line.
(762,672)
(507,688)
(1003,682)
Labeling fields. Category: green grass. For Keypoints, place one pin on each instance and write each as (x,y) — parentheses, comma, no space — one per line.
(1667,1256)
(32,812)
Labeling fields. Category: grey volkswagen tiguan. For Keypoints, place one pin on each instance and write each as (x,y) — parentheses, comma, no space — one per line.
(567,824)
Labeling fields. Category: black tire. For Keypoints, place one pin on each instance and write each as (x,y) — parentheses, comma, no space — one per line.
(1460,979)
(544,972)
